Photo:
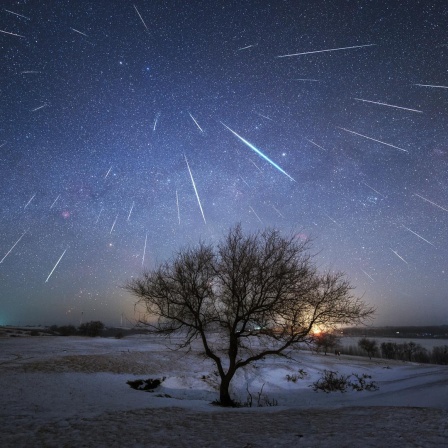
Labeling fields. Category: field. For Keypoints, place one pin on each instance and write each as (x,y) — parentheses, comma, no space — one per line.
(72,392)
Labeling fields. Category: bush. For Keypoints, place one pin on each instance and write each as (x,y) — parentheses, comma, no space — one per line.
(92,328)
(148,385)
(331,382)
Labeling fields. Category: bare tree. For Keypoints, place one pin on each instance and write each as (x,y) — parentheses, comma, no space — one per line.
(251,296)
(370,346)
(325,341)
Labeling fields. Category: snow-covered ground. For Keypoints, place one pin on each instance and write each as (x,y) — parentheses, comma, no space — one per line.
(72,392)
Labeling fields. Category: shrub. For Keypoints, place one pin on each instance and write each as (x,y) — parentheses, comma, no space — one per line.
(148,385)
(331,382)
(92,328)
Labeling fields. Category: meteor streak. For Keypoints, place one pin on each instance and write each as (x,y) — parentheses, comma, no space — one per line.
(401,258)
(433,203)
(13,246)
(278,211)
(196,122)
(79,32)
(388,105)
(306,79)
(107,174)
(99,214)
(155,121)
(256,166)
(177,203)
(315,144)
(113,225)
(258,152)
(11,34)
(329,217)
(264,116)
(28,203)
(429,85)
(375,140)
(364,272)
(373,189)
(248,46)
(144,249)
(16,14)
(3,144)
(130,211)
(323,51)
(52,205)
(255,213)
(141,18)
(29,71)
(195,190)
(37,108)
(55,266)
(416,234)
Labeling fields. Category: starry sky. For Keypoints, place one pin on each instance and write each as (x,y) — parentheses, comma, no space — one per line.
(130,129)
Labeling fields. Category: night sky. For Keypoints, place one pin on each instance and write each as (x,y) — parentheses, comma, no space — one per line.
(130,129)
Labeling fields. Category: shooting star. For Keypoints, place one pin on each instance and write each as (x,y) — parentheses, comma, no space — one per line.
(3,144)
(29,71)
(306,79)
(248,46)
(130,211)
(375,140)
(13,246)
(364,272)
(429,85)
(113,225)
(141,18)
(278,211)
(28,203)
(16,14)
(144,249)
(315,144)
(196,122)
(323,51)
(264,116)
(433,203)
(329,217)
(401,258)
(258,152)
(155,121)
(55,266)
(373,189)
(54,202)
(177,203)
(107,174)
(99,214)
(245,181)
(256,166)
(416,234)
(37,108)
(11,34)
(79,32)
(388,105)
(195,190)
(255,213)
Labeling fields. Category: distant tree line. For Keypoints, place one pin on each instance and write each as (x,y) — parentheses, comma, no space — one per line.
(92,329)
(405,351)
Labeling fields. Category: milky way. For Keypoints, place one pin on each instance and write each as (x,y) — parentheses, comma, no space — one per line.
(131,129)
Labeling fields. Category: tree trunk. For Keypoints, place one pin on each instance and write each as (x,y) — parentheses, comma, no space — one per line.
(224,395)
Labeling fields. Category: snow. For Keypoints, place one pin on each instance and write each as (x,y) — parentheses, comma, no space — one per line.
(72,392)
